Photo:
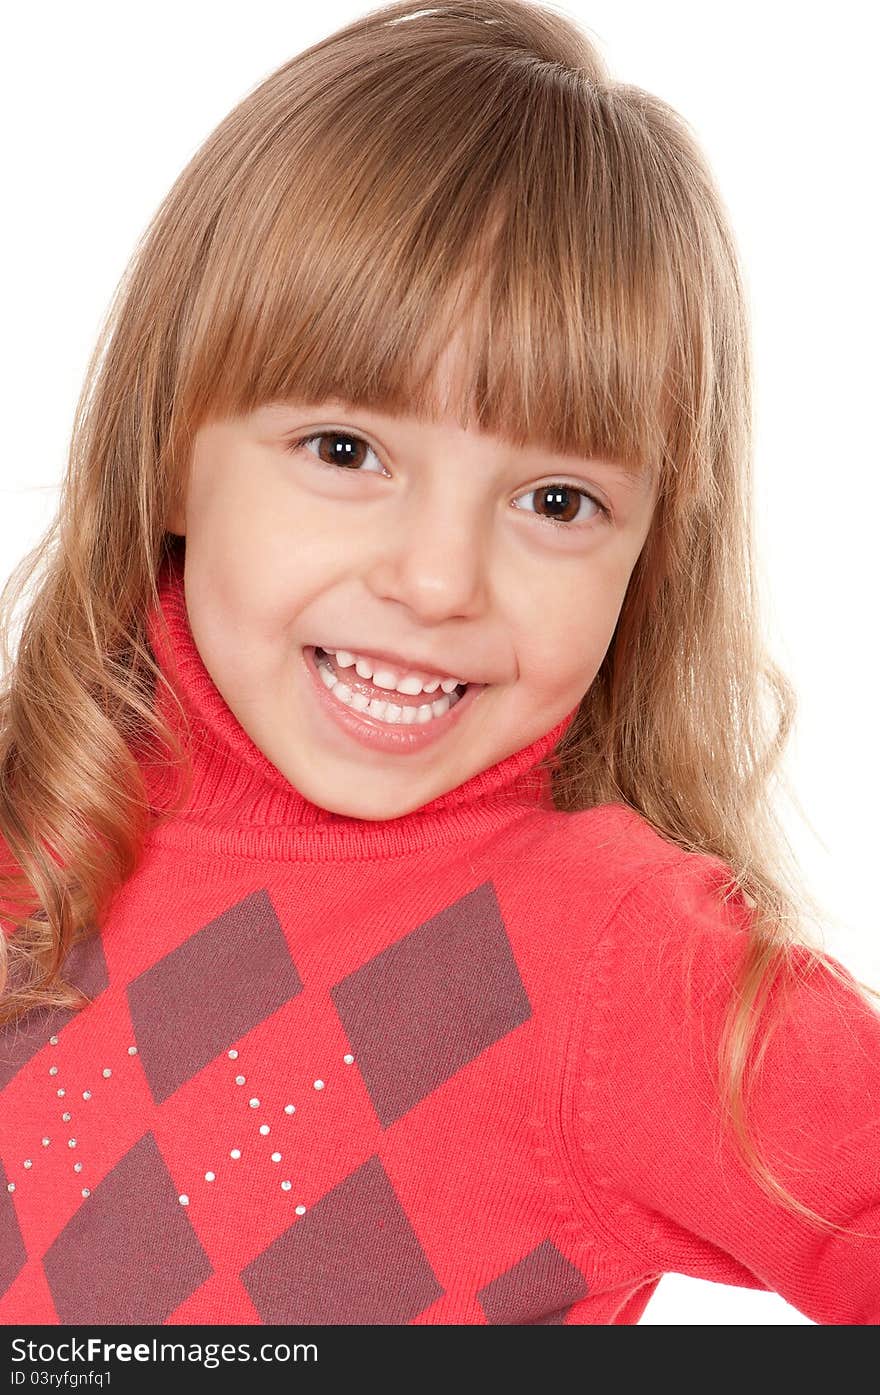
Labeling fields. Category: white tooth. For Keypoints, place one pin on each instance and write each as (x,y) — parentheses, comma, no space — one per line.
(392,713)
(384,677)
(386,711)
(411,684)
(389,678)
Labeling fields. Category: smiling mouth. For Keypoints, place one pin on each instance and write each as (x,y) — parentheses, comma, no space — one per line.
(385,704)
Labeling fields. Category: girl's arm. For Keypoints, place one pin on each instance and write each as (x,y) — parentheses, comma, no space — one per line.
(646,1153)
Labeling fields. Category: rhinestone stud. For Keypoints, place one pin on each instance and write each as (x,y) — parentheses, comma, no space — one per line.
(233,1055)
(254,1103)
(209,1176)
(264,1128)
(285,1186)
(236,1153)
(184,1200)
(348,1059)
(319,1084)
(28,1162)
(53,1070)
(106,1072)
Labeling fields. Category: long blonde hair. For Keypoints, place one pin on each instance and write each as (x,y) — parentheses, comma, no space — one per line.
(471,162)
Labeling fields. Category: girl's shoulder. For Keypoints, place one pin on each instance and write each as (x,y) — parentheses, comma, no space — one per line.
(611,884)
(615,848)
(665,904)
(675,938)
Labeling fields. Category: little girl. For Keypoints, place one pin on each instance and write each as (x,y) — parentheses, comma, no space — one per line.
(397,924)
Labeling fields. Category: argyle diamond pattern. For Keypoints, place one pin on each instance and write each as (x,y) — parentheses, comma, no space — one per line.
(106,1266)
(354,1258)
(416,1015)
(86,968)
(12,1250)
(428,1005)
(243,971)
(538,1290)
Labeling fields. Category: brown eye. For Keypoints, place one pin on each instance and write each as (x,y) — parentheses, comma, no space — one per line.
(342,448)
(337,448)
(562,504)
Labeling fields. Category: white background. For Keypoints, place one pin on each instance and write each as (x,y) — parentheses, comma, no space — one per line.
(102,104)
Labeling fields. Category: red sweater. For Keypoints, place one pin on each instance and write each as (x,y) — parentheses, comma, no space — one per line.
(440,1069)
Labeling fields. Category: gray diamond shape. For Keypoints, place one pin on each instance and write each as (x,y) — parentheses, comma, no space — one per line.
(86,968)
(538,1290)
(12,1251)
(217,985)
(432,1002)
(129,1253)
(352,1258)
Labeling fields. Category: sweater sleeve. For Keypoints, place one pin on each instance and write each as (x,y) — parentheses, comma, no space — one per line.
(652,1160)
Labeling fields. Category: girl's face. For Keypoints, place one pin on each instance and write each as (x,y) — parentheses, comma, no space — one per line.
(395,536)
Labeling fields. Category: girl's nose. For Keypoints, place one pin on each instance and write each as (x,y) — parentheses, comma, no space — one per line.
(437,567)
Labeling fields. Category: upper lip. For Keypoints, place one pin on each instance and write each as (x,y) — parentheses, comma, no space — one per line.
(402,665)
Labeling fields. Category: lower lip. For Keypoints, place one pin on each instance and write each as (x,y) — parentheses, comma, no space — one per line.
(382,736)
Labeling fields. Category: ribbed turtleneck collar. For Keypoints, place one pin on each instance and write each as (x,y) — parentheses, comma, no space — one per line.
(241,804)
